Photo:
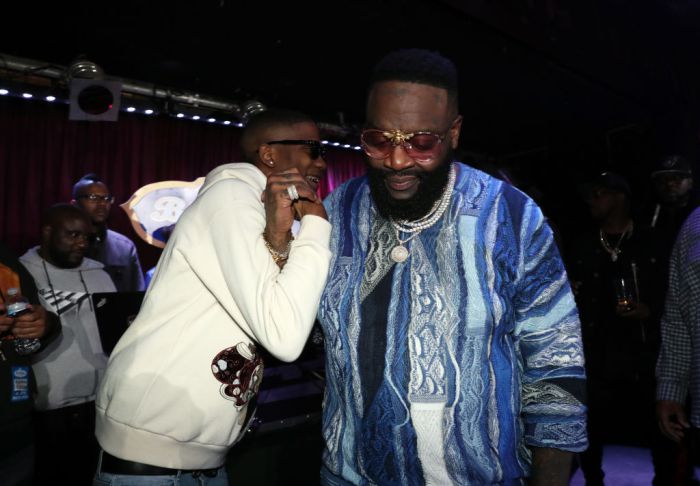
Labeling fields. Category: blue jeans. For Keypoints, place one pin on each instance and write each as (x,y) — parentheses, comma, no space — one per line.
(182,478)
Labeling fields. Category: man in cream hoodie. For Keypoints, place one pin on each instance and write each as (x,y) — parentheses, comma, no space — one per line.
(181,383)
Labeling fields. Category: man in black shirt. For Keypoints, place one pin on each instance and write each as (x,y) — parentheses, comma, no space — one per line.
(611,269)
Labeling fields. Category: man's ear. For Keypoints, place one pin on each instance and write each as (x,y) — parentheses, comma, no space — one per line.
(46,232)
(265,152)
(455,130)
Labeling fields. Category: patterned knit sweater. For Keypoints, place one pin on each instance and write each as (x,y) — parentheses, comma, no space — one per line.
(483,354)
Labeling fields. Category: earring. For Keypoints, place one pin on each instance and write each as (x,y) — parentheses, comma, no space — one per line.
(271,163)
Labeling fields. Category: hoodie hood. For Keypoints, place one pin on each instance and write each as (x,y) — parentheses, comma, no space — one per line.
(32,257)
(238,170)
(63,289)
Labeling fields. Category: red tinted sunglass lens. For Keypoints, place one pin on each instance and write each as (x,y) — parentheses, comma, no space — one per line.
(424,142)
(375,139)
(375,143)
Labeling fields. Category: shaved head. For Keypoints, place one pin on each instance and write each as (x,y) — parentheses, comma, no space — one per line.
(84,182)
(58,213)
(266,126)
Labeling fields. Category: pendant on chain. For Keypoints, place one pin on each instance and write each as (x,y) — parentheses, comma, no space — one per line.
(399,253)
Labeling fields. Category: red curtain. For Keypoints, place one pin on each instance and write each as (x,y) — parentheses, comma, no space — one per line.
(42,154)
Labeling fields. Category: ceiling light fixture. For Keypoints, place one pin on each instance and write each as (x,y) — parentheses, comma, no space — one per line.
(91,97)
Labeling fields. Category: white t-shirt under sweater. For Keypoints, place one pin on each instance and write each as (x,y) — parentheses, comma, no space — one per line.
(177,386)
(68,370)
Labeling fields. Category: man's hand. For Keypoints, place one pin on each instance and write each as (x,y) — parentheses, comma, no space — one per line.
(639,311)
(305,206)
(280,209)
(30,324)
(672,419)
(5,322)
(550,467)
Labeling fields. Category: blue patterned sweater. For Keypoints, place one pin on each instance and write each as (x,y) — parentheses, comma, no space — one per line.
(483,348)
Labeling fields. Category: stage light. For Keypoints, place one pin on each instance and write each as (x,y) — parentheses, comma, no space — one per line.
(91,97)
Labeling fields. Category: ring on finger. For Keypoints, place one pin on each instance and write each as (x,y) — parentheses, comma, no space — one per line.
(292,191)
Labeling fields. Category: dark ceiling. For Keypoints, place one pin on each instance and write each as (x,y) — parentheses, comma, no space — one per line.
(534,73)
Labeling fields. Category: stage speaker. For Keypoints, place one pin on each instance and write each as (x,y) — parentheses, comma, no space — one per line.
(94,99)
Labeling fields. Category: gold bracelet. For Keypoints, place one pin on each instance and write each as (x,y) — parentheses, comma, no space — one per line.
(277,256)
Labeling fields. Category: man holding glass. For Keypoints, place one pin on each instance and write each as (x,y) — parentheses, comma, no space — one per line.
(612,268)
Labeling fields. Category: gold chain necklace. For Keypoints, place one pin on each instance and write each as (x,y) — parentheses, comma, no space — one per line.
(614,251)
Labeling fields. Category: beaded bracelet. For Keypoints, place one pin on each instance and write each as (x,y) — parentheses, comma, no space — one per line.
(277,256)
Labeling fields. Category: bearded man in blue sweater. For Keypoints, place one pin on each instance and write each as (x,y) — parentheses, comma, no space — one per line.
(453,348)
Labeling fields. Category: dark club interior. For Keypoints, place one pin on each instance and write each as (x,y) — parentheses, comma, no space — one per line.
(553,93)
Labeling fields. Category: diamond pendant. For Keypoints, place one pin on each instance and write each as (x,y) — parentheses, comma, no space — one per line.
(613,256)
(399,253)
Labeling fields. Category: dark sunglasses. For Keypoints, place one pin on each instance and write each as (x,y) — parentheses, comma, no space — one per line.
(317,149)
(421,146)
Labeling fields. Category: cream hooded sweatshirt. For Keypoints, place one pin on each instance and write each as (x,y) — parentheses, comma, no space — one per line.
(177,386)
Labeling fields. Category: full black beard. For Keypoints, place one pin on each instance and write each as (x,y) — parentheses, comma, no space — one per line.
(431,186)
(59,259)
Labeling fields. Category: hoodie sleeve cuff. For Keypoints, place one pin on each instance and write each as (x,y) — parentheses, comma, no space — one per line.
(315,228)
